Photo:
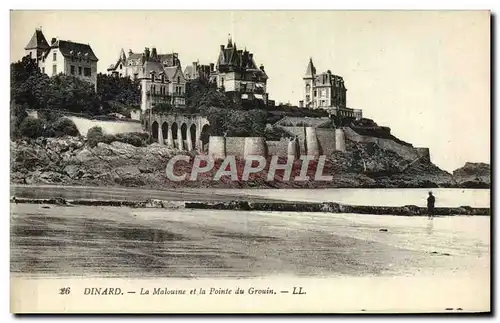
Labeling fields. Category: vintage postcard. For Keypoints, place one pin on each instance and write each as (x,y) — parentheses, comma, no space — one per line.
(250,161)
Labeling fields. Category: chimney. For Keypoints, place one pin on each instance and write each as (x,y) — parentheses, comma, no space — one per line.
(262,68)
(53,40)
(221,47)
(130,52)
(153,53)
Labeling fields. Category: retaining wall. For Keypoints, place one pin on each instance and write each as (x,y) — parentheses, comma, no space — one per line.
(235,146)
(408,153)
(326,139)
(217,147)
(278,148)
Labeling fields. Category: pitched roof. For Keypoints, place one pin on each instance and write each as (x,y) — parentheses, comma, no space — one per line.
(170,72)
(135,55)
(37,41)
(149,67)
(311,70)
(189,71)
(72,49)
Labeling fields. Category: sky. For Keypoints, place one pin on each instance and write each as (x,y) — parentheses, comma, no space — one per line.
(424,74)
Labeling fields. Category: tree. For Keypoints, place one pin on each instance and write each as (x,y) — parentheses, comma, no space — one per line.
(118,89)
(17,115)
(32,128)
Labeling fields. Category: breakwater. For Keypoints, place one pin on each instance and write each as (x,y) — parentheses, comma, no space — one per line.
(326,207)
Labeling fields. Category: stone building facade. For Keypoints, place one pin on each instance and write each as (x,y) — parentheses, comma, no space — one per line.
(160,76)
(236,72)
(63,57)
(326,91)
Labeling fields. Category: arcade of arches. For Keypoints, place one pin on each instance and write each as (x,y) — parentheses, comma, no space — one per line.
(184,132)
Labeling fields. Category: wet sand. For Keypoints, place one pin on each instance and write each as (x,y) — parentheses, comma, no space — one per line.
(123,242)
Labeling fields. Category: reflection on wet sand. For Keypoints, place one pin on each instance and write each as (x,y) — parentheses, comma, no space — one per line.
(123,242)
(430,225)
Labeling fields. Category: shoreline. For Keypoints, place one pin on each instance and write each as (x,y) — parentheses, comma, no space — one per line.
(244,205)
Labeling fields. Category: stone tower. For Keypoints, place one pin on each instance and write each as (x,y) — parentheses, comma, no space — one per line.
(309,85)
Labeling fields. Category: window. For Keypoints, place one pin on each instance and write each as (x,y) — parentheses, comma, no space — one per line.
(54,57)
(79,70)
(54,69)
(178,79)
(315,93)
(72,69)
(86,71)
(152,77)
(135,76)
(121,66)
(308,98)
(163,78)
(43,70)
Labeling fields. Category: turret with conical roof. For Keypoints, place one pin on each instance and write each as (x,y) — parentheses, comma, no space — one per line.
(311,70)
(309,77)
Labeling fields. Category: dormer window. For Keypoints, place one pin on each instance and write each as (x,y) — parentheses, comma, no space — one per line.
(178,79)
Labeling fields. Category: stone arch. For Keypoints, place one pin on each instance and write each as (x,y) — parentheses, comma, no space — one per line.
(184,131)
(192,132)
(164,130)
(174,128)
(154,130)
(204,137)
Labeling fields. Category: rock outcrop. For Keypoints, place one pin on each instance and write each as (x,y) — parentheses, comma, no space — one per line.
(70,161)
(473,175)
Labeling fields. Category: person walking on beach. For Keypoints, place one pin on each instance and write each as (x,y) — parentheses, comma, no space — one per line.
(430,205)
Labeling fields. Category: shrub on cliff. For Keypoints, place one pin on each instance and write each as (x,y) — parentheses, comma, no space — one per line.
(94,136)
(276,133)
(32,128)
(64,127)
(131,138)
(236,123)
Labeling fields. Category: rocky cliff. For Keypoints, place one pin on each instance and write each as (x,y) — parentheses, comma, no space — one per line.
(473,175)
(70,161)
